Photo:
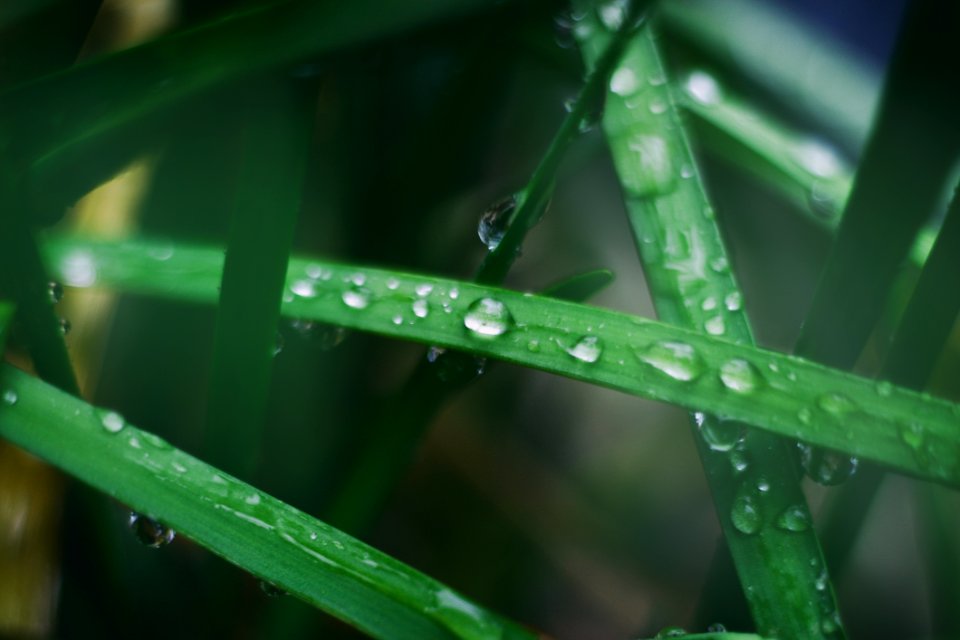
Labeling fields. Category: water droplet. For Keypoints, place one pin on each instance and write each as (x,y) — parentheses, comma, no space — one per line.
(278,344)
(487,317)
(356,297)
(739,460)
(826,467)
(65,326)
(671,632)
(271,590)
(397,320)
(836,404)
(678,360)
(9,397)
(586,349)
(686,171)
(420,308)
(423,290)
(149,531)
(745,514)
(304,288)
(624,82)
(884,388)
(656,108)
(494,221)
(720,265)
(318,335)
(733,301)
(392,284)
(740,376)
(805,415)
(912,435)
(716,627)
(709,303)
(454,293)
(54,291)
(703,88)
(649,169)
(612,14)
(719,434)
(358,279)
(794,518)
(112,421)
(763,485)
(817,158)
(715,326)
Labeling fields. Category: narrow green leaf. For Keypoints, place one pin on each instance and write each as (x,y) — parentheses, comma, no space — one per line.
(258,533)
(752,476)
(776,392)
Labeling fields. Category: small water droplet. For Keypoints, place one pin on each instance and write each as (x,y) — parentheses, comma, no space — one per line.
(716,627)
(670,632)
(658,107)
(794,518)
(149,531)
(454,293)
(397,320)
(715,326)
(65,326)
(884,388)
(358,279)
(686,171)
(319,335)
(392,284)
(54,291)
(423,290)
(586,349)
(709,303)
(495,220)
(703,88)
(112,421)
(356,297)
(719,434)
(739,460)
(763,485)
(817,158)
(805,415)
(678,360)
(278,344)
(745,514)
(912,435)
(271,590)
(487,317)
(733,301)
(826,467)
(612,14)
(533,346)
(420,308)
(9,397)
(624,82)
(740,376)
(836,404)
(720,265)
(304,288)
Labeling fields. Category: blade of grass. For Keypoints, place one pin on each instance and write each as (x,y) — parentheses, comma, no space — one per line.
(776,392)
(402,423)
(267,204)
(894,193)
(755,486)
(264,536)
(60,121)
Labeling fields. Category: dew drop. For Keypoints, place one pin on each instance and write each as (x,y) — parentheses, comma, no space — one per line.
(884,388)
(826,467)
(686,171)
(715,326)
(356,297)
(805,415)
(624,82)
(794,518)
(739,461)
(420,308)
(149,531)
(719,434)
(494,221)
(670,632)
(836,404)
(612,14)
(54,291)
(304,288)
(271,590)
(392,284)
(720,265)
(733,301)
(9,397)
(703,88)
(278,343)
(745,515)
(817,158)
(586,349)
(65,326)
(112,421)
(423,290)
(397,320)
(740,376)
(678,360)
(709,303)
(716,627)
(912,435)
(658,107)
(319,335)
(358,279)
(488,318)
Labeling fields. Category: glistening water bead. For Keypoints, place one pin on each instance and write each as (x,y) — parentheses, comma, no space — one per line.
(488,318)
(150,532)
(494,221)
(586,349)
(677,360)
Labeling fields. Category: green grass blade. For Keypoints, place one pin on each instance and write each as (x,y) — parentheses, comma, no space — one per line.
(60,121)
(691,284)
(894,193)
(264,536)
(776,392)
(275,149)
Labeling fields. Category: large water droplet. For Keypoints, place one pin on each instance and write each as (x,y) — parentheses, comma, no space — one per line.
(420,308)
(745,514)
(149,531)
(740,376)
(678,360)
(703,88)
(9,397)
(356,297)
(487,317)
(825,466)
(304,288)
(624,81)
(586,349)
(112,421)
(719,434)
(494,221)
(794,518)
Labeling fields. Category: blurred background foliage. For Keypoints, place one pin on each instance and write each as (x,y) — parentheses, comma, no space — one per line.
(577,510)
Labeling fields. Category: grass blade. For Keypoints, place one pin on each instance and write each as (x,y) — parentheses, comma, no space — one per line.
(775,392)
(691,285)
(267,203)
(270,539)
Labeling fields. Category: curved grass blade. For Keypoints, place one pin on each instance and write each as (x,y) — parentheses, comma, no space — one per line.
(258,533)
(60,121)
(752,478)
(267,204)
(776,392)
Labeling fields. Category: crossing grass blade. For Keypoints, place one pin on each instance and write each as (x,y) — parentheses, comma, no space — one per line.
(776,392)
(258,533)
